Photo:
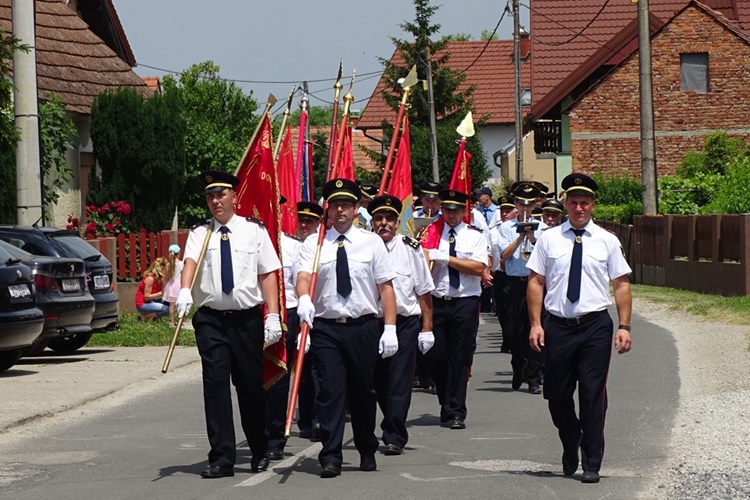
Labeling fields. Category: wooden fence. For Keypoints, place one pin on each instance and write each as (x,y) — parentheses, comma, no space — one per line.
(134,252)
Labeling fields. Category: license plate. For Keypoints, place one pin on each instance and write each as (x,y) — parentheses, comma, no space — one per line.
(19,291)
(71,285)
(101,282)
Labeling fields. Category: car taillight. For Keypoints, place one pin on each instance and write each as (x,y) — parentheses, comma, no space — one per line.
(44,282)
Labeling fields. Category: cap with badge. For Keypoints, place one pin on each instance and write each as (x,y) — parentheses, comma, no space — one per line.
(576,183)
(344,189)
(309,209)
(552,206)
(369,191)
(543,190)
(430,189)
(525,193)
(506,201)
(384,204)
(218,180)
(450,198)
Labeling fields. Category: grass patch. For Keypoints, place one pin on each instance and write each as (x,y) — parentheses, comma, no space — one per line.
(713,308)
(135,333)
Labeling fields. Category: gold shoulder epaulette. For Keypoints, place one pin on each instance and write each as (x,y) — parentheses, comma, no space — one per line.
(475,228)
(201,223)
(257,221)
(411,242)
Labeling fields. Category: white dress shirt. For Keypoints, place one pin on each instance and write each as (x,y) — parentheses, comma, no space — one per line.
(252,254)
(413,276)
(602,261)
(470,244)
(368,267)
(290,246)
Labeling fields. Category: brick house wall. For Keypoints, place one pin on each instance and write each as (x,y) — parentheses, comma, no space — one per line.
(605,121)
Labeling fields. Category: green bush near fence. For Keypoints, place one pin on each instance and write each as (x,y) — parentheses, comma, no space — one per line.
(618,198)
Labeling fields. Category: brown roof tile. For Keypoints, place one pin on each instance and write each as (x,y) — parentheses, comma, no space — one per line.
(492,74)
(71,61)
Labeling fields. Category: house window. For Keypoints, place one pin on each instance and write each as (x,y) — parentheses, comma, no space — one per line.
(694,72)
(526,97)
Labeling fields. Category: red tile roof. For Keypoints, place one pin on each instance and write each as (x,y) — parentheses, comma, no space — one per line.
(72,61)
(556,54)
(153,82)
(359,140)
(492,74)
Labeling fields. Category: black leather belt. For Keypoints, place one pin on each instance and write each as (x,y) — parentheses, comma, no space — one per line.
(519,278)
(578,320)
(348,321)
(234,313)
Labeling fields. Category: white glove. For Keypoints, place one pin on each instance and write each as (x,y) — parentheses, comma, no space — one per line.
(439,257)
(425,341)
(272,330)
(307,342)
(306,310)
(388,342)
(184,302)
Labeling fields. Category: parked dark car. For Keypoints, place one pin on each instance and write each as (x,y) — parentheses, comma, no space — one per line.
(62,294)
(56,242)
(21,321)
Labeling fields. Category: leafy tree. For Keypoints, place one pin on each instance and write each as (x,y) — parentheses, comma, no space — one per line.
(139,145)
(451,105)
(317,116)
(57,132)
(220,121)
(488,35)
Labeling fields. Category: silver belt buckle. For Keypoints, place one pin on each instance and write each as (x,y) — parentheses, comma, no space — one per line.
(342,320)
(447,297)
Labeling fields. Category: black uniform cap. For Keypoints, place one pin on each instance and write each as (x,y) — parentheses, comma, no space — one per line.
(385,203)
(552,206)
(451,197)
(506,200)
(543,190)
(341,188)
(217,180)
(579,183)
(525,193)
(431,189)
(369,191)
(309,209)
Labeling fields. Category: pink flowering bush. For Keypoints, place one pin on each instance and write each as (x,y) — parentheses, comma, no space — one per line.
(111,218)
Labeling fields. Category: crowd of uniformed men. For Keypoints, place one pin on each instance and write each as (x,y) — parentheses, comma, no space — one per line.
(388,314)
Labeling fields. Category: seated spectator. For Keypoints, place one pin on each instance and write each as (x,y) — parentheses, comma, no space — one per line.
(174,275)
(148,298)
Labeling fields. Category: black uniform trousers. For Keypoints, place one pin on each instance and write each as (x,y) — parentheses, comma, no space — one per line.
(277,396)
(579,354)
(501,284)
(524,360)
(393,381)
(455,324)
(345,355)
(230,344)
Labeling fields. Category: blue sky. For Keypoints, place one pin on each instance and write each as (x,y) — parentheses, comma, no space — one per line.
(289,40)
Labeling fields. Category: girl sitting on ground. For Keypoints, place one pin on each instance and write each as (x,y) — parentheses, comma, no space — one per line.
(148,298)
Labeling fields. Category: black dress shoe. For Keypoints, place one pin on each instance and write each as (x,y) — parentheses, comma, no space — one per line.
(306,433)
(393,449)
(535,389)
(570,462)
(367,463)
(275,453)
(259,464)
(517,381)
(330,470)
(458,423)
(216,471)
(590,476)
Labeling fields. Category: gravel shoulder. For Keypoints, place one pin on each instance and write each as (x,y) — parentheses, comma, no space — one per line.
(710,441)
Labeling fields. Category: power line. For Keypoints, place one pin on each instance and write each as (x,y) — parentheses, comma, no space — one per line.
(576,35)
(488,40)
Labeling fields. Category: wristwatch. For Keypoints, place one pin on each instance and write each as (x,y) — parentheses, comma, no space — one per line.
(624,327)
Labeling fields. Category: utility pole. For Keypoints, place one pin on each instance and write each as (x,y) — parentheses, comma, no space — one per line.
(433,127)
(648,148)
(28,171)
(517,72)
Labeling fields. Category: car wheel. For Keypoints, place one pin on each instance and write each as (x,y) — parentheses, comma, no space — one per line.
(9,358)
(70,343)
(36,348)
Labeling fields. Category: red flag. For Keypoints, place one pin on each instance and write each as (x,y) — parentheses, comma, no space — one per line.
(287,187)
(461,178)
(400,183)
(346,167)
(258,196)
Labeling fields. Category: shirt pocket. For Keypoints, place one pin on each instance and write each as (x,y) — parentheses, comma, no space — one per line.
(210,270)
(403,283)
(559,261)
(360,266)
(245,265)
(595,262)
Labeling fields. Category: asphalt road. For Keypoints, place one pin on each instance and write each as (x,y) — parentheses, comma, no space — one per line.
(147,440)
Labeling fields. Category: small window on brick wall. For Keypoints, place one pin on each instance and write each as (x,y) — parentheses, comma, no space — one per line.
(694,72)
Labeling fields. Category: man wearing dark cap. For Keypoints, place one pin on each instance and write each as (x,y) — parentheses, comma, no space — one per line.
(458,262)
(553,213)
(235,279)
(516,239)
(369,191)
(576,261)
(354,270)
(412,284)
(506,211)
(486,206)
(430,200)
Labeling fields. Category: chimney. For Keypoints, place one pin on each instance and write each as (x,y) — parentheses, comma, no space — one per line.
(525,41)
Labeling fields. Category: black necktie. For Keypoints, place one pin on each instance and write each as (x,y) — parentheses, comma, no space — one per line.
(453,277)
(343,280)
(574,276)
(227,277)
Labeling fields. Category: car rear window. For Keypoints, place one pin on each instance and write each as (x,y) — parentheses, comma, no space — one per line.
(78,247)
(5,256)
(13,250)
